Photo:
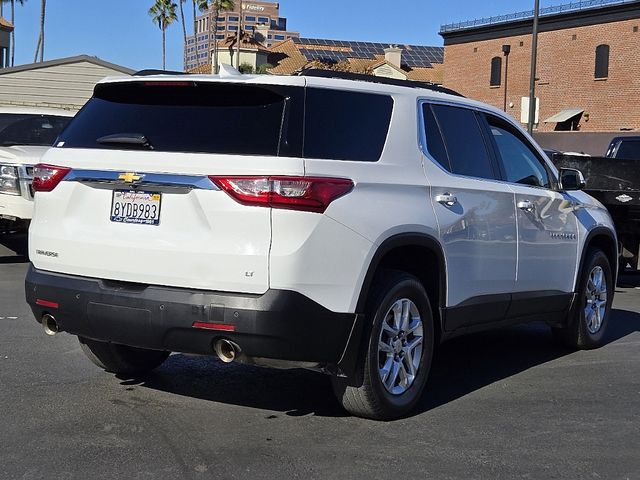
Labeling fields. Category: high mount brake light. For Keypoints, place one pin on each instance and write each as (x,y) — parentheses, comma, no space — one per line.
(310,194)
(168,84)
(47,177)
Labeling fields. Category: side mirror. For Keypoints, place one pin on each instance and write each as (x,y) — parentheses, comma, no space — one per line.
(572,179)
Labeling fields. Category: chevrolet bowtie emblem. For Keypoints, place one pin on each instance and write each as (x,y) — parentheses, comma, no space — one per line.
(129,177)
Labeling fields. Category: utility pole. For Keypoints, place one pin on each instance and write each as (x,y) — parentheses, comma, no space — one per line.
(506,50)
(534,59)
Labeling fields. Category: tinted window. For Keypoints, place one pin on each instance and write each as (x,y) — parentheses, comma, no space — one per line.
(344,125)
(629,150)
(223,118)
(435,144)
(496,72)
(22,129)
(602,61)
(520,163)
(191,117)
(464,142)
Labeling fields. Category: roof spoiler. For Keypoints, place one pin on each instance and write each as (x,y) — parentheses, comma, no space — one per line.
(317,72)
(151,71)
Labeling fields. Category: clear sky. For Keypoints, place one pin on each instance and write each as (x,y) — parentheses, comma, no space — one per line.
(121,31)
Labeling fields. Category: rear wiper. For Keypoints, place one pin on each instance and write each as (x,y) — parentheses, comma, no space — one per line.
(126,139)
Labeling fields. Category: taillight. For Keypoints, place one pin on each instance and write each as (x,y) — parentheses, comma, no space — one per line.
(312,194)
(47,177)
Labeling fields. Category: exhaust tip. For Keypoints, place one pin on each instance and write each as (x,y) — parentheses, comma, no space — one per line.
(50,325)
(226,350)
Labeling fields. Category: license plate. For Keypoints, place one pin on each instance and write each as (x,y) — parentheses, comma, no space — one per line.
(135,206)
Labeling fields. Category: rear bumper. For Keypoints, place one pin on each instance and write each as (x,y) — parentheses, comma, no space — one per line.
(279,324)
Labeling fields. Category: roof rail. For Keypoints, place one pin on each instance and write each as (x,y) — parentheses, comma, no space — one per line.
(317,72)
(151,71)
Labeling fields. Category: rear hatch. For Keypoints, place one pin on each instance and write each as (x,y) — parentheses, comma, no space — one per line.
(138,205)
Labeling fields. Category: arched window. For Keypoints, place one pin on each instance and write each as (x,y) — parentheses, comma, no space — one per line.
(602,61)
(496,72)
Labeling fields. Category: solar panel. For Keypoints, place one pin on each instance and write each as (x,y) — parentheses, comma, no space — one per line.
(413,56)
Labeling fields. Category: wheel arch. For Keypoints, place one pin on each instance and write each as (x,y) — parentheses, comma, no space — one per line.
(409,252)
(604,239)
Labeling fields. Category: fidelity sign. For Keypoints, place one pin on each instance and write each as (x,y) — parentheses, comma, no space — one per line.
(253,8)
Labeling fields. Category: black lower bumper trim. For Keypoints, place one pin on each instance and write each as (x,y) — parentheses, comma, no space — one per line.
(279,324)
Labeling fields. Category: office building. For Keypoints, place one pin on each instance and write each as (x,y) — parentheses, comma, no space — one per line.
(261,19)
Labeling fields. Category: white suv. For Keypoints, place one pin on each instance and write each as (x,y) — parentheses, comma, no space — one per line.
(25,134)
(338,225)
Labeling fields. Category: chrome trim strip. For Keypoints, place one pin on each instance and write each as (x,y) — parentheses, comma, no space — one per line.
(109,177)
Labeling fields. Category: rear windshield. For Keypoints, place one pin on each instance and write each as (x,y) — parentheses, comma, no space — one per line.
(30,129)
(233,119)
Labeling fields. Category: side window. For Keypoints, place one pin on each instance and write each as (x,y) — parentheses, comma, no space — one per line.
(435,144)
(520,163)
(629,150)
(343,125)
(464,141)
(496,72)
(602,61)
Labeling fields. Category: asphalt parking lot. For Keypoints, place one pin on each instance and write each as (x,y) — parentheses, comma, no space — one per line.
(506,404)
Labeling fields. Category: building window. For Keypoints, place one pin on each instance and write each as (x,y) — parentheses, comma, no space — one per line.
(248,27)
(602,61)
(279,37)
(250,19)
(264,20)
(496,72)
(220,37)
(221,19)
(221,27)
(234,19)
(233,27)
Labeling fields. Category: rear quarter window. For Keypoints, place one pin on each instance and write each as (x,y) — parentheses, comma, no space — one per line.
(346,125)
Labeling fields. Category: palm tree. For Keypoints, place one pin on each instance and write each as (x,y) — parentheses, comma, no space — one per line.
(219,6)
(184,27)
(40,46)
(13,22)
(163,12)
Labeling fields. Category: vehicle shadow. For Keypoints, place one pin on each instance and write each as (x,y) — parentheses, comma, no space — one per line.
(461,366)
(13,248)
(469,363)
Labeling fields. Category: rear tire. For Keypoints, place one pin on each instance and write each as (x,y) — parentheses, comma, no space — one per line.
(589,318)
(394,365)
(121,359)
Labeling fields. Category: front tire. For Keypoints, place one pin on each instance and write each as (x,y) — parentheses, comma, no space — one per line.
(121,359)
(589,318)
(394,366)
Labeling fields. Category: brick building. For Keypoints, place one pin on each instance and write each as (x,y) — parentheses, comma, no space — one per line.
(588,75)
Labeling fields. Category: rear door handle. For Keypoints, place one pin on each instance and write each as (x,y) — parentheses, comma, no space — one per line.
(446,199)
(527,206)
